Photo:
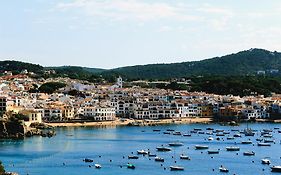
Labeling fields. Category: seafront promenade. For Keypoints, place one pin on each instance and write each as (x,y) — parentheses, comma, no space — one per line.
(131,122)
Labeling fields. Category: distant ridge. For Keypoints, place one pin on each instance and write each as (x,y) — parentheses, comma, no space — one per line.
(247,62)
(241,63)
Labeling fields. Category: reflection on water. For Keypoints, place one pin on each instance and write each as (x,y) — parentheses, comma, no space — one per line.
(63,154)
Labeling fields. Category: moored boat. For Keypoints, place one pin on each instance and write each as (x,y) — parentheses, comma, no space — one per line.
(133,157)
(247,142)
(265,161)
(213,152)
(232,148)
(276,168)
(223,169)
(264,144)
(201,147)
(184,157)
(159,159)
(176,168)
(249,153)
(163,148)
(131,166)
(87,160)
(98,166)
(142,152)
(175,144)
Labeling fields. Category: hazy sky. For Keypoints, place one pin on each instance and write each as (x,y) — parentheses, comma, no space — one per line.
(107,34)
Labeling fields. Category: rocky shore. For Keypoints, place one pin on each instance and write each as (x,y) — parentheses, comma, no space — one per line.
(14,129)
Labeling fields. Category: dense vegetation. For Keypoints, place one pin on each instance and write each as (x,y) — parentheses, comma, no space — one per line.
(50,87)
(2,170)
(16,67)
(242,63)
(236,85)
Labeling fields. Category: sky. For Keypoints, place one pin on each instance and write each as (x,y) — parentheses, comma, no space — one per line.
(114,33)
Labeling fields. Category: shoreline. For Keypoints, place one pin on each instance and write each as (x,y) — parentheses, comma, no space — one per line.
(132,122)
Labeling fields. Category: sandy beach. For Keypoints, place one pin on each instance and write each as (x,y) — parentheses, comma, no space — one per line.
(126,122)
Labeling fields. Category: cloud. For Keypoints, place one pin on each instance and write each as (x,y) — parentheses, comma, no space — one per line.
(130,10)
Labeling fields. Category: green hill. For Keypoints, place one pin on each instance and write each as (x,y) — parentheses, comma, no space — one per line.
(242,63)
(18,66)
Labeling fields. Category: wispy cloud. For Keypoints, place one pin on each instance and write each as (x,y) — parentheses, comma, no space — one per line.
(130,9)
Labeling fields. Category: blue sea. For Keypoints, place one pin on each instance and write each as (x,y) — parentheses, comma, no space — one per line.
(64,153)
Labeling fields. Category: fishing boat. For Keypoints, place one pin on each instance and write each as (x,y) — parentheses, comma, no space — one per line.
(98,166)
(259,139)
(223,169)
(201,147)
(247,142)
(184,157)
(264,144)
(131,166)
(187,135)
(156,130)
(213,152)
(265,161)
(176,168)
(159,159)
(163,149)
(175,144)
(210,138)
(276,168)
(232,148)
(201,132)
(210,129)
(142,152)
(133,157)
(209,133)
(170,130)
(249,153)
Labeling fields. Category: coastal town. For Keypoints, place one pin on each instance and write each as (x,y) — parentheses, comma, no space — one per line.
(80,102)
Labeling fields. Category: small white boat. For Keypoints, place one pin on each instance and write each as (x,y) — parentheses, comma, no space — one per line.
(232,148)
(176,168)
(210,138)
(184,157)
(163,148)
(223,169)
(249,153)
(98,166)
(159,159)
(142,152)
(265,161)
(237,135)
(264,144)
(276,168)
(175,144)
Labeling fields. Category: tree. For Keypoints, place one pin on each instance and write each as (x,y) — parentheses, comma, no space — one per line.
(51,87)
(2,169)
